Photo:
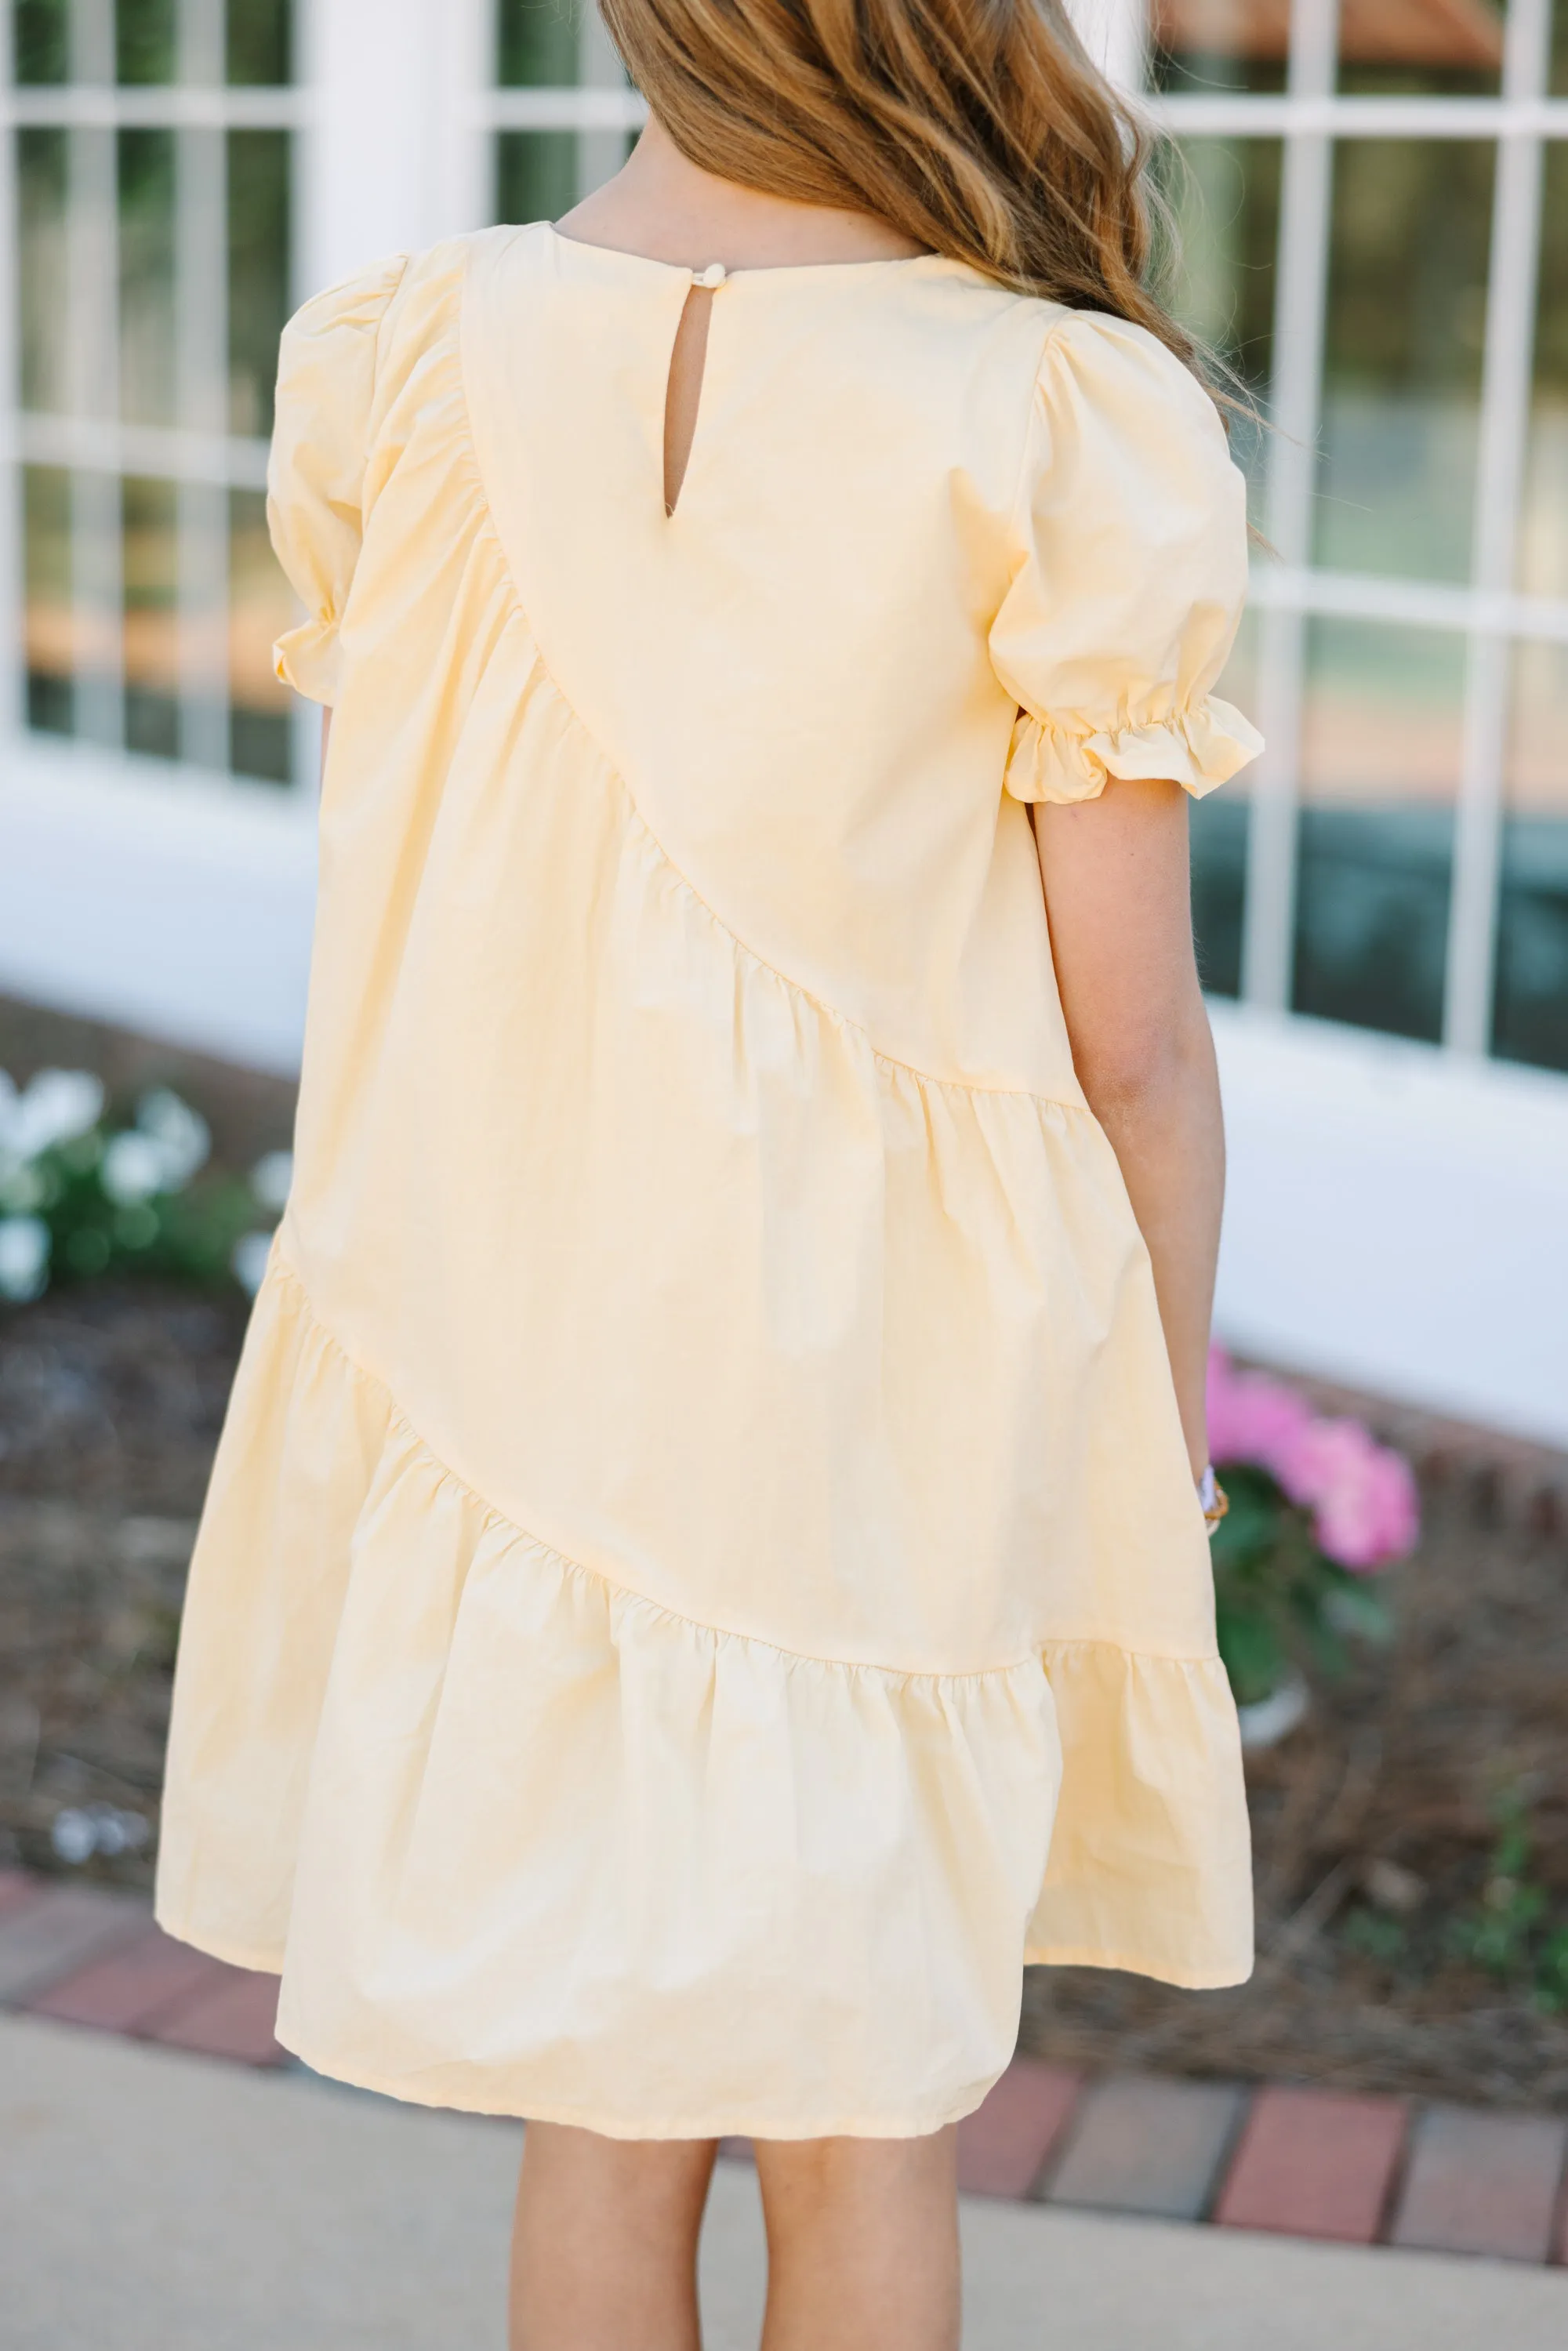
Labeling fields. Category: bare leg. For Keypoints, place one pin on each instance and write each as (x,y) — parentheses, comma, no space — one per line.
(604,2251)
(862,2243)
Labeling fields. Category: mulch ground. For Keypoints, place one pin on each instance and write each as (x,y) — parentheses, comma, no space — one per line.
(1405,1763)
(110,1400)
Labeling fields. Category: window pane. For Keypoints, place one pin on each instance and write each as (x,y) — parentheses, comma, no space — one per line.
(1218,44)
(1380,762)
(49,626)
(538,44)
(261,711)
(1543,524)
(1224,196)
(145,38)
(260,41)
(147,277)
(258,272)
(1406,323)
(1218,827)
(536,174)
(1453,50)
(42,166)
(41,30)
(1530,1017)
(1381,769)
(1559,84)
(151,618)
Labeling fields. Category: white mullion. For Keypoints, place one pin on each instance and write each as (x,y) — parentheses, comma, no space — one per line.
(601,148)
(157,105)
(464,57)
(92,57)
(584,109)
(1413,604)
(1116,35)
(92,269)
(200,310)
(1254,114)
(1268,934)
(1504,424)
(202,45)
(177,454)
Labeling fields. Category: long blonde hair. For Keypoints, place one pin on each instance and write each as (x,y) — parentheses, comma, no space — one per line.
(980,128)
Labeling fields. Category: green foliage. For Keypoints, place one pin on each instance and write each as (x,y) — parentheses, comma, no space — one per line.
(1279,1602)
(1511,1933)
(1375,1936)
(83,1194)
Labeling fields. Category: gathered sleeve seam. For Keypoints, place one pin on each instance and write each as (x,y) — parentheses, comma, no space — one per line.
(1018,535)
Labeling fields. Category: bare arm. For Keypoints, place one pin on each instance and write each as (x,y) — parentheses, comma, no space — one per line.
(1116,893)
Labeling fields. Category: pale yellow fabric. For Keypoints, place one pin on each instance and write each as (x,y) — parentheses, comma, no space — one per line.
(704,1492)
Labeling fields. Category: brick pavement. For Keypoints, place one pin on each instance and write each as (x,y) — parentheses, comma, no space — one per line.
(1289,2161)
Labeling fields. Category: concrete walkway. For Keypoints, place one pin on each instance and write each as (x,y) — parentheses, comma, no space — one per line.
(159,2201)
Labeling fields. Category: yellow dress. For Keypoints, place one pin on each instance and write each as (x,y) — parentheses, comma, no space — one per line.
(704,1492)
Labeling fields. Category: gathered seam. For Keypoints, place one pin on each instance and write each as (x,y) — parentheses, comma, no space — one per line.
(284,1273)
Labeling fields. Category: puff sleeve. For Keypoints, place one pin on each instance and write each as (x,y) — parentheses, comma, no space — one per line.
(314,476)
(1131,558)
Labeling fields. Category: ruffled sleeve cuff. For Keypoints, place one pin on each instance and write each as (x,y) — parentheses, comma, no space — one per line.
(310,659)
(1063,760)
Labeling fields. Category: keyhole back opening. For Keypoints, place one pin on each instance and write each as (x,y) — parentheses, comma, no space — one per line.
(683,390)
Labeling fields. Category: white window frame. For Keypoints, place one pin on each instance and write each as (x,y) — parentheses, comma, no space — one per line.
(1309,116)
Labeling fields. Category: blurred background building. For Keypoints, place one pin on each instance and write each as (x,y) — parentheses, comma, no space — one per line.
(1373,206)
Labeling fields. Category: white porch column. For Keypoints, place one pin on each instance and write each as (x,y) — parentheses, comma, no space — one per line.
(1116,35)
(394,159)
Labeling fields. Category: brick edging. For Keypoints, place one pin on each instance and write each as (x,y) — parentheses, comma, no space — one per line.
(1298,2162)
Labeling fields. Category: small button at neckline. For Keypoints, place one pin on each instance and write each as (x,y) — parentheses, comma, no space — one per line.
(710,279)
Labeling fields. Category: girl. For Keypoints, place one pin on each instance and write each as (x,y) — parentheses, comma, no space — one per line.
(705,1576)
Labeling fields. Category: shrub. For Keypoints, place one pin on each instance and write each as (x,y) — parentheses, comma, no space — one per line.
(1318,1509)
(83,1194)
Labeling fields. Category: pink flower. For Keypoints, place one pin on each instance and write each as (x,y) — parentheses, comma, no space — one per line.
(1251,1417)
(1361,1496)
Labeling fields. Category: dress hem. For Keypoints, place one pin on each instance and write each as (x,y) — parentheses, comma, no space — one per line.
(1042,1955)
(728,2126)
(735,2123)
(1086,1955)
(248,1956)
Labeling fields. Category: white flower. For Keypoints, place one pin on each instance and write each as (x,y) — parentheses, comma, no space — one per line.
(248,1259)
(74,1834)
(115,1830)
(82,1830)
(270,1179)
(133,1168)
(180,1134)
(54,1107)
(24,1257)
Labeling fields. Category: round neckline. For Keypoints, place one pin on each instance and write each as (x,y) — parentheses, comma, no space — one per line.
(730,277)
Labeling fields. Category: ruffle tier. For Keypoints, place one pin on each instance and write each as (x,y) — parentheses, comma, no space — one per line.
(510,1831)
